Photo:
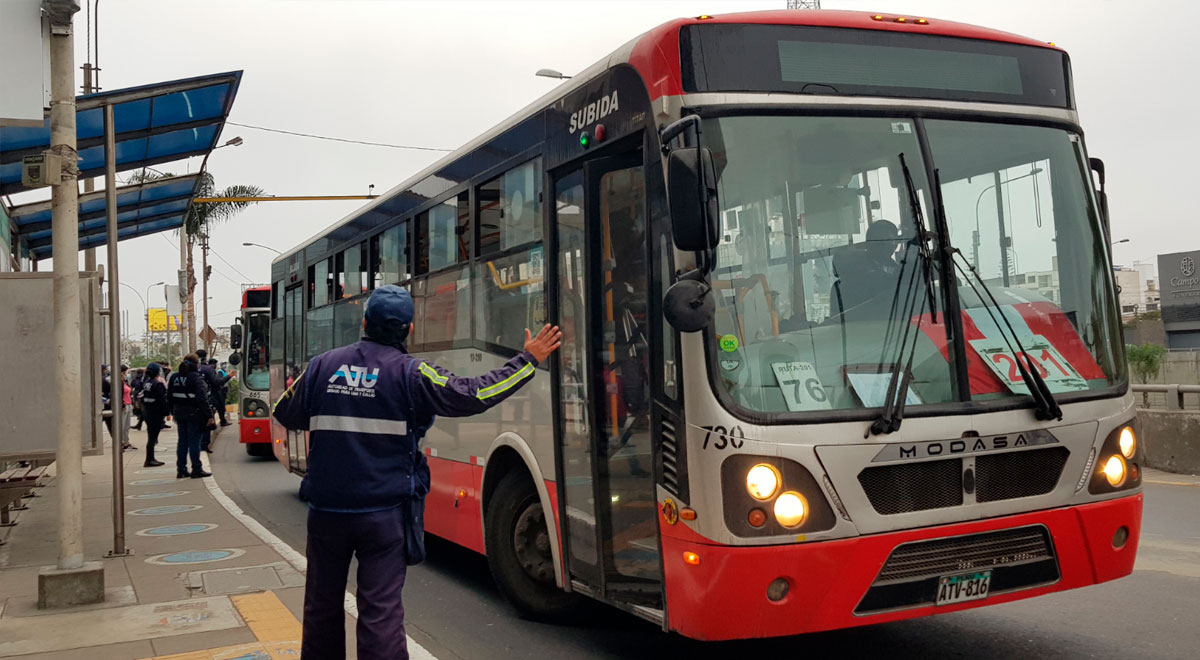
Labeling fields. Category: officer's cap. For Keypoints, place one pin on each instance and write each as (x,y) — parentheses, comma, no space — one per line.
(389,305)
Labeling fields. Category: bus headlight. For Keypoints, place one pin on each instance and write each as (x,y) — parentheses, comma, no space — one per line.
(791,509)
(1116,467)
(1114,471)
(772,496)
(762,481)
(1127,442)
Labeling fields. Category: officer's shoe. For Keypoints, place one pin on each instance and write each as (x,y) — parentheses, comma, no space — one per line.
(181,475)
(201,474)
(152,463)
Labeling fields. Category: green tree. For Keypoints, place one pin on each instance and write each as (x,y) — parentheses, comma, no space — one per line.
(199,220)
(1145,360)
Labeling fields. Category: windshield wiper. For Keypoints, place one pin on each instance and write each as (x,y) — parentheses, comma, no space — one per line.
(1045,407)
(901,375)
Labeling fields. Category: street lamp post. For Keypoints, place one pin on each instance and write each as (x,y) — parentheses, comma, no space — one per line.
(145,310)
(975,239)
(150,333)
(265,247)
(551,73)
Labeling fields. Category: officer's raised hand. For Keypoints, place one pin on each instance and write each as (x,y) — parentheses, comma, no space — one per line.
(548,340)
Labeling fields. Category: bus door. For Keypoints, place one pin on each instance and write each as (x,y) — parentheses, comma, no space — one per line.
(293,365)
(604,385)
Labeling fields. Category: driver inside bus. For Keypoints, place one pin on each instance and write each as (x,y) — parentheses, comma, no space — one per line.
(867,274)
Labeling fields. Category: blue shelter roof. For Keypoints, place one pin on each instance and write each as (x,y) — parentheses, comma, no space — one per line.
(142,209)
(154,124)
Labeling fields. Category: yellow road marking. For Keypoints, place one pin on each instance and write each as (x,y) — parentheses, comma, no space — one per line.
(1170,483)
(273,625)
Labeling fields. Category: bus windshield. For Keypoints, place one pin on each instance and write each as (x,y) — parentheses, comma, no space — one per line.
(822,288)
(257,374)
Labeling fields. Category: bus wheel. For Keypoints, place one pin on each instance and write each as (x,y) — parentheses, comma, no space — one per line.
(259,450)
(518,552)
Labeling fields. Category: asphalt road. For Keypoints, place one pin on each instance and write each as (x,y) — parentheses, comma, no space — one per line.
(455,611)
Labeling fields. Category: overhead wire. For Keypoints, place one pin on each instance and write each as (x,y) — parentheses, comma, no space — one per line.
(336,139)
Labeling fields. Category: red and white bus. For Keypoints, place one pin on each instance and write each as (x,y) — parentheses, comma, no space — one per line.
(252,336)
(841,342)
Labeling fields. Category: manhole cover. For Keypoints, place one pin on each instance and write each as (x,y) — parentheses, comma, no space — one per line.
(152,482)
(165,510)
(238,580)
(157,496)
(177,530)
(195,556)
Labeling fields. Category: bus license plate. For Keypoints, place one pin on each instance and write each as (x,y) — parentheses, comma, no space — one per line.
(962,588)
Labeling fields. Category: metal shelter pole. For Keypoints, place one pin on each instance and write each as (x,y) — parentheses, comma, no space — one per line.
(64,204)
(89,255)
(117,392)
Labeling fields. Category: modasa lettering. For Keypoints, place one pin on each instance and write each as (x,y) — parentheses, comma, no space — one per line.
(594,111)
(961,446)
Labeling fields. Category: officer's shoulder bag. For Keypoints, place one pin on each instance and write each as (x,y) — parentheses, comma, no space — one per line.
(414,505)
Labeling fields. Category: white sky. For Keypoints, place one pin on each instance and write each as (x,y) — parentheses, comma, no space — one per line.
(439,73)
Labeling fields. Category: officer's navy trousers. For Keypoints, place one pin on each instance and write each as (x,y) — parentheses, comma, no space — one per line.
(377,539)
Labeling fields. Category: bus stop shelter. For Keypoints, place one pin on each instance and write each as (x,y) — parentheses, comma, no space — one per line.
(118,130)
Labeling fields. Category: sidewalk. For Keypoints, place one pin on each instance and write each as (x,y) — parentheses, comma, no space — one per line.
(200,584)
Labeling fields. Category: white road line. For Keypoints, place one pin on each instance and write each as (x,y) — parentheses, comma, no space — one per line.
(297,560)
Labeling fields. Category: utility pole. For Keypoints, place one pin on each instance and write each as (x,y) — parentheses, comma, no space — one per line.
(204,290)
(72,581)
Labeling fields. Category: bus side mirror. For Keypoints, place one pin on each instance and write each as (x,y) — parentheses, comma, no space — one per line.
(235,336)
(689,304)
(235,359)
(1097,166)
(692,182)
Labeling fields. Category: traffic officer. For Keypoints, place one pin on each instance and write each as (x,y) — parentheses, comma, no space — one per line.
(366,407)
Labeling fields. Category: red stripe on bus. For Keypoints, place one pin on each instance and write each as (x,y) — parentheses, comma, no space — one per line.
(829,578)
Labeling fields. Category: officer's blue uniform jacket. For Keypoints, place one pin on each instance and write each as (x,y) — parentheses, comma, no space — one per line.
(366,407)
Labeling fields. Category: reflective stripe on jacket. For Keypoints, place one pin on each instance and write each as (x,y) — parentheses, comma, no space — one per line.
(366,407)
(189,398)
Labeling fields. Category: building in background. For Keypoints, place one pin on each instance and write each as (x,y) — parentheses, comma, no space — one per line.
(1180,297)
(1139,289)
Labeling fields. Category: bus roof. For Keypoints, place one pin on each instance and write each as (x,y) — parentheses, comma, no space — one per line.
(256,289)
(655,55)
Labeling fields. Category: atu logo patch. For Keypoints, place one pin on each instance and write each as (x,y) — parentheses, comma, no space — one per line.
(356,376)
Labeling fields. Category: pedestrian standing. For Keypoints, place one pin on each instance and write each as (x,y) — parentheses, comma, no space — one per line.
(191,404)
(215,385)
(125,401)
(366,407)
(154,409)
(135,385)
(223,394)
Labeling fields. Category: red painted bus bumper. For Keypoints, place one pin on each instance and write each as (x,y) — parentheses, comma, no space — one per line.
(255,430)
(725,595)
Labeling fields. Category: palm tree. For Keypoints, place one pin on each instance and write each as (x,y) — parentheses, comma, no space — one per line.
(199,220)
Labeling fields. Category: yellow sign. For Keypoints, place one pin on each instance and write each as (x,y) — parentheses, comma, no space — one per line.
(158,321)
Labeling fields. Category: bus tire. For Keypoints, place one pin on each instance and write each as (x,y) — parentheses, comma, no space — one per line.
(259,450)
(518,552)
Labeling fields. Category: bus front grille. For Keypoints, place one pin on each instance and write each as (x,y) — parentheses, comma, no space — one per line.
(909,487)
(1018,558)
(965,553)
(1018,473)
